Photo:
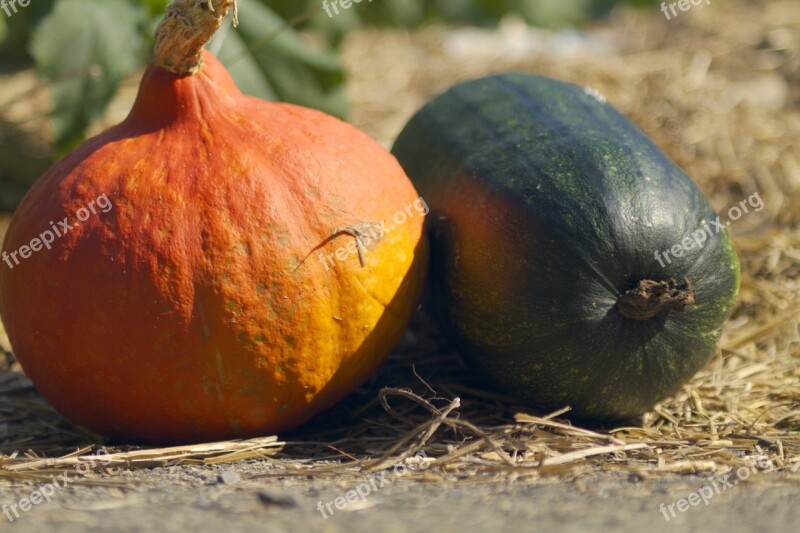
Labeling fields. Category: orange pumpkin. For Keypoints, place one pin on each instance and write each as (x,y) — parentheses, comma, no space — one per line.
(213,271)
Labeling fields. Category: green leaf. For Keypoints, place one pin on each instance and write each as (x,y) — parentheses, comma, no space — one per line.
(556,13)
(273,62)
(156,7)
(392,12)
(86,48)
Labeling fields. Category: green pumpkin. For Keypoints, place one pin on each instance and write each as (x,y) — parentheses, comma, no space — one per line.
(550,217)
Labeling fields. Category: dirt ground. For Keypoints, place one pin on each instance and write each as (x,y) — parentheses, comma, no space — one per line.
(719,90)
(194,499)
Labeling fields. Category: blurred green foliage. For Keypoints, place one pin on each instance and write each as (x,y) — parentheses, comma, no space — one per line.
(410,13)
(86,48)
(82,49)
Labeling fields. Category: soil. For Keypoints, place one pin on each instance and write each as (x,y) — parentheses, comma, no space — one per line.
(199,499)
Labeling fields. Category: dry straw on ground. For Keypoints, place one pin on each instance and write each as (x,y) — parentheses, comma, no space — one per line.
(719,89)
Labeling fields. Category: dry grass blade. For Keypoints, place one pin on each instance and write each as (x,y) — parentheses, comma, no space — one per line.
(211,453)
(565,458)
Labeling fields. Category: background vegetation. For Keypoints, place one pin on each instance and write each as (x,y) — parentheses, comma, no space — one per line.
(282,49)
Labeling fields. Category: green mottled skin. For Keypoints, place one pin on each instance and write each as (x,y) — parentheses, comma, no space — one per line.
(546,205)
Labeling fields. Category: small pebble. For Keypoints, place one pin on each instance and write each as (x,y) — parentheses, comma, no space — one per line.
(229,477)
(276,499)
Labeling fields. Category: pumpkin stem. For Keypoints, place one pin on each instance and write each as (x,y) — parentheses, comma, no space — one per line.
(650,297)
(187,27)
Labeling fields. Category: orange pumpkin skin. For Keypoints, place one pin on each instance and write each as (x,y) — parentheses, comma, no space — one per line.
(200,306)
